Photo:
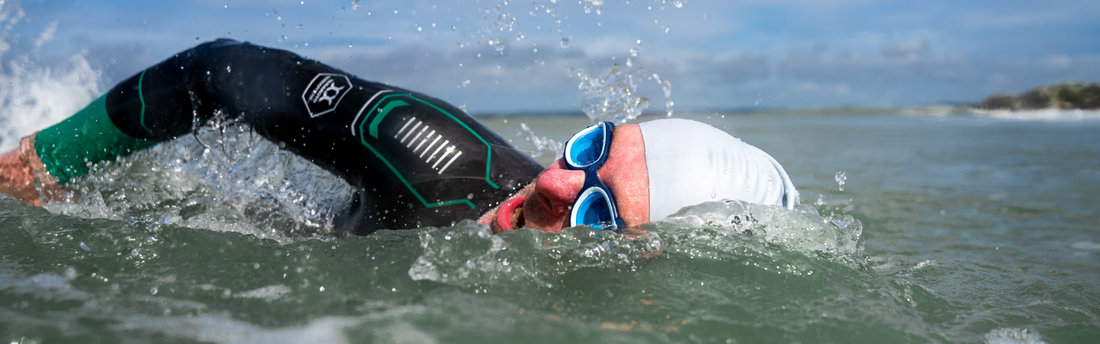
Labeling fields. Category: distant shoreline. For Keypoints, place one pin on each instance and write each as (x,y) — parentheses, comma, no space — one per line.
(1063,96)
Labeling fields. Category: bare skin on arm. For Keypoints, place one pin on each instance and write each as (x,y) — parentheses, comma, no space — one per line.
(23,176)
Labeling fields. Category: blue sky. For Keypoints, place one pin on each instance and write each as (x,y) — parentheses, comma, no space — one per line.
(716,54)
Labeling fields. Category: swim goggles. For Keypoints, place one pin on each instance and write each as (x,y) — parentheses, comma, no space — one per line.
(594,206)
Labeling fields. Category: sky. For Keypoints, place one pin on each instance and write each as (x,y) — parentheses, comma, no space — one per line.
(524,56)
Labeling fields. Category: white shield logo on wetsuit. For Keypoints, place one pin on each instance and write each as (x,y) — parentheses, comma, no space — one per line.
(325,92)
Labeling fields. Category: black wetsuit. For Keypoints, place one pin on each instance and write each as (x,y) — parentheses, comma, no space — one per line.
(415,160)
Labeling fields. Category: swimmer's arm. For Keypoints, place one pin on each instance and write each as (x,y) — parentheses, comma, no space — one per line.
(24,177)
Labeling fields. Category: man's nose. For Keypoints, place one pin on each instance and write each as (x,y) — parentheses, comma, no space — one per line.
(560,187)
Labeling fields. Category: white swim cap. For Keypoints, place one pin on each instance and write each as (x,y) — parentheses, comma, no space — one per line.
(691,162)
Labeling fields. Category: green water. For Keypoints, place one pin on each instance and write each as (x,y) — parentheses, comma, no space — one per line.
(953,228)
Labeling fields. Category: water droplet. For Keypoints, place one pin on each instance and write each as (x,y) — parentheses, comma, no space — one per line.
(564,42)
(497,44)
(153,291)
(841,178)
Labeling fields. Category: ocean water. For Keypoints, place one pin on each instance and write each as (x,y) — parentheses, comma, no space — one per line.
(916,225)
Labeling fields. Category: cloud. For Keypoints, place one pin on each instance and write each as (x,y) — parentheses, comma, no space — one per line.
(46,36)
(731,70)
(902,61)
(905,51)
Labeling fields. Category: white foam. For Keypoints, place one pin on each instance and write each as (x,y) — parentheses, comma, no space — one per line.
(1010,335)
(46,286)
(222,328)
(1086,246)
(1039,115)
(268,293)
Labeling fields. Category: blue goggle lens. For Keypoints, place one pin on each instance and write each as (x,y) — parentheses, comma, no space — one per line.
(586,147)
(593,208)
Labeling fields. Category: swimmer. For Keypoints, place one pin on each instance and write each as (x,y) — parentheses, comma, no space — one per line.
(414,160)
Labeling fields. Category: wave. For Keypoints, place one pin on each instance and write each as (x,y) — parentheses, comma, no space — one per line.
(467,255)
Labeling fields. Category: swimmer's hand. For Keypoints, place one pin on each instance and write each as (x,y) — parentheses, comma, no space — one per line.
(635,233)
(23,176)
(639,233)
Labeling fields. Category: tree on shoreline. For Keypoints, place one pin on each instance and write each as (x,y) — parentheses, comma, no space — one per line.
(1065,96)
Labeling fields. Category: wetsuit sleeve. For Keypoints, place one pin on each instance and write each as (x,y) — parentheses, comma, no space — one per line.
(415,160)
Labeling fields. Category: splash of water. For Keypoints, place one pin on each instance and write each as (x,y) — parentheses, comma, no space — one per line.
(614,97)
(467,255)
(223,177)
(543,145)
(802,230)
(35,96)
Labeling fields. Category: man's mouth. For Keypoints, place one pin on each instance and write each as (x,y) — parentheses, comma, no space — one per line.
(510,214)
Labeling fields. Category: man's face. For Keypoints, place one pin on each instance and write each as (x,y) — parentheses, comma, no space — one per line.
(545,204)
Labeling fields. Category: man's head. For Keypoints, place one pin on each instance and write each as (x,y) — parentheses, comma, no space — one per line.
(653,169)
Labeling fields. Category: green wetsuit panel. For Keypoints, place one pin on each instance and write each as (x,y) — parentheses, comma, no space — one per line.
(88,137)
